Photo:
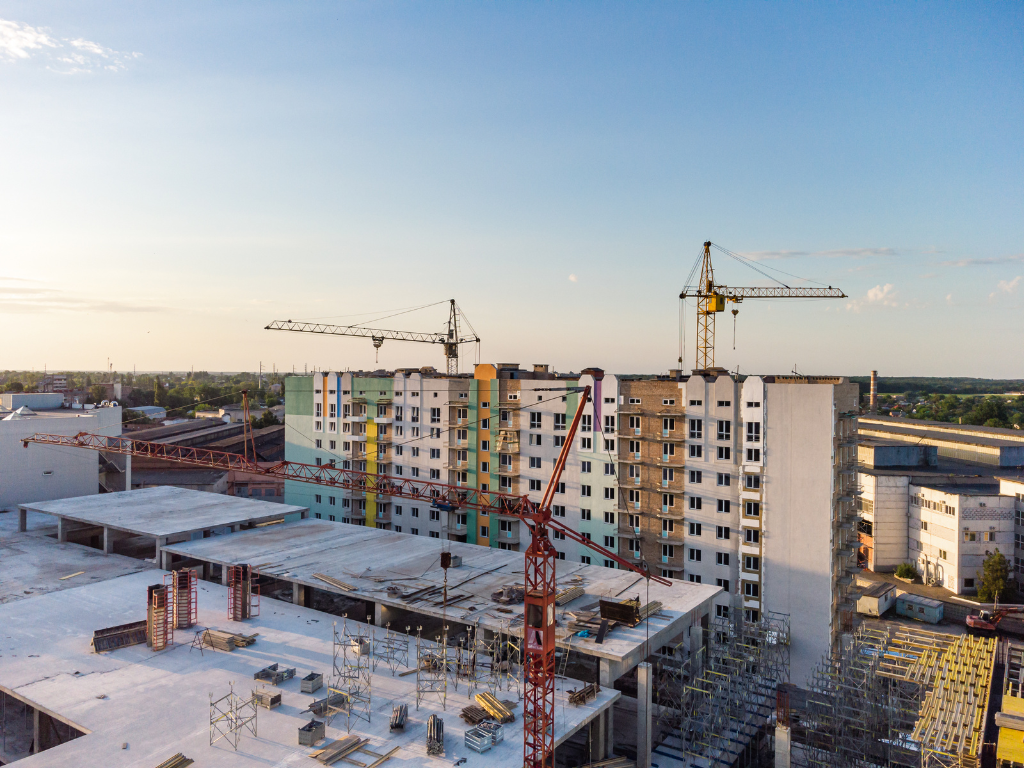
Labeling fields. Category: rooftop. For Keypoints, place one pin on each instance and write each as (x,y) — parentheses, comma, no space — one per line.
(163,511)
(138,707)
(369,560)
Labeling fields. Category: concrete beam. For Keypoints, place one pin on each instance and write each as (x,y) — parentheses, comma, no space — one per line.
(610,671)
(643,715)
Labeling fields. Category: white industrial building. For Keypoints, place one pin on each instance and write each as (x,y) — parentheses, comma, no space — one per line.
(43,472)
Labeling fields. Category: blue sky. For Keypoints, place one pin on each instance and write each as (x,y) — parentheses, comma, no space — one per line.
(175,176)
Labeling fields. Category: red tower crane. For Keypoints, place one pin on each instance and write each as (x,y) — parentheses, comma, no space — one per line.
(539,598)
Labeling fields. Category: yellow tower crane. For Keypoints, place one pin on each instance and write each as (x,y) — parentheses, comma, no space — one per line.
(711,298)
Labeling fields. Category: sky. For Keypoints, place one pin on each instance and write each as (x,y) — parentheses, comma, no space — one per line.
(175,176)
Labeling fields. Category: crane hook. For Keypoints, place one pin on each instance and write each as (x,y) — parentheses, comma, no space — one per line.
(734,313)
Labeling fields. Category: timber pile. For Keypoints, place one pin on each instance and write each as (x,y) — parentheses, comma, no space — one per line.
(178,761)
(474,714)
(496,709)
(568,595)
(334,582)
(584,694)
(227,641)
(650,609)
(336,750)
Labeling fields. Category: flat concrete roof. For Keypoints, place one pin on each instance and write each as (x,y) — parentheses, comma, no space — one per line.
(371,559)
(158,704)
(163,511)
(33,563)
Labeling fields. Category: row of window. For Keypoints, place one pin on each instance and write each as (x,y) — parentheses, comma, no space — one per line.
(724,431)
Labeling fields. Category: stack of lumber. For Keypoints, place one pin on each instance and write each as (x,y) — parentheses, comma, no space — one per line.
(178,761)
(334,582)
(336,750)
(649,609)
(584,694)
(568,595)
(226,641)
(496,709)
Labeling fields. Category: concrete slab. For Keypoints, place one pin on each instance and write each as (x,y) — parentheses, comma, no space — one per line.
(157,704)
(370,560)
(164,511)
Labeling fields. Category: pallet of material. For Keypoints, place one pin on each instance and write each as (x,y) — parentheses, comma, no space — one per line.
(178,761)
(568,595)
(584,694)
(226,641)
(336,750)
(474,714)
(274,674)
(120,636)
(495,708)
(267,699)
(626,612)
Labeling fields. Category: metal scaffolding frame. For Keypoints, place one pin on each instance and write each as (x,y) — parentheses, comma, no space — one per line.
(432,668)
(713,702)
(895,696)
(391,648)
(230,716)
(352,671)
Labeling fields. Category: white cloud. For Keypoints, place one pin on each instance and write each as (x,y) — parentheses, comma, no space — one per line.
(1006,286)
(838,253)
(879,296)
(18,300)
(19,42)
(949,299)
(984,262)
(572,278)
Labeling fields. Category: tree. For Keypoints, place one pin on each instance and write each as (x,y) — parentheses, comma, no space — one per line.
(995,578)
(159,393)
(268,419)
(14,386)
(97,392)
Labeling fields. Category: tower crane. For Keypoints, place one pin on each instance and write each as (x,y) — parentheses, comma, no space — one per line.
(711,298)
(541,556)
(449,339)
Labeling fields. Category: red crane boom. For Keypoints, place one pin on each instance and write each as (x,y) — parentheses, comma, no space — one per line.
(541,556)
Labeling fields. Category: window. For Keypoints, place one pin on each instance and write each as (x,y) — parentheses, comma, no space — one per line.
(724,403)
(558,510)
(752,481)
(319,499)
(694,577)
(724,479)
(694,555)
(722,611)
(586,423)
(668,550)
(318,516)
(435,415)
(332,500)
(722,532)
(585,559)
(634,521)
(333,445)
(609,563)
(435,515)
(752,509)
(434,535)
(609,493)
(669,526)
(696,429)
(609,445)
(633,545)
(634,496)
(753,404)
(513,395)
(460,434)
(609,423)
(415,453)
(668,401)
(558,535)
(696,402)
(319,461)
(559,422)
(319,443)
(753,431)
(752,590)
(753,454)
(723,583)
(968,583)
(724,505)
(696,451)
(668,475)
(970,536)
(414,531)
(725,430)
(586,444)
(485,467)
(609,469)
(751,535)
(695,502)
(535,422)
(751,562)
(668,425)
(534,485)
(435,474)
(694,529)
(696,476)
(415,471)
(634,401)
(584,514)
(634,424)
(435,453)
(634,446)
(332,518)
(584,491)
(559,440)
(751,615)
(668,500)
(722,558)
(535,439)
(609,542)
(724,453)
(560,488)
(534,462)
(318,410)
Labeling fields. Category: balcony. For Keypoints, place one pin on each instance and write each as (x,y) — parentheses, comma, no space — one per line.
(509,537)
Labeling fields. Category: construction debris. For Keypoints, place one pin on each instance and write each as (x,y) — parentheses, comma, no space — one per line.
(435,736)
(274,675)
(328,704)
(334,582)
(511,594)
(71,576)
(120,636)
(584,694)
(178,761)
(625,612)
(496,709)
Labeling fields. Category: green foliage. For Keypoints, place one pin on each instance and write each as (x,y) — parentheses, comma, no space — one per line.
(995,578)
(272,401)
(97,393)
(268,419)
(906,571)
(14,386)
(133,417)
(159,393)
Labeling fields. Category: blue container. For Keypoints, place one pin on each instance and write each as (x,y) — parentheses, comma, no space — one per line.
(921,608)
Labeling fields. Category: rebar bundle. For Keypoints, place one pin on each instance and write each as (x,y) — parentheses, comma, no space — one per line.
(435,735)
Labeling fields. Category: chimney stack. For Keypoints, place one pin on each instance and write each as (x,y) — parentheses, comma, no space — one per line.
(874,392)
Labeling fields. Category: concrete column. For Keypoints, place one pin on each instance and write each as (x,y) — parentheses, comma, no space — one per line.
(609,672)
(162,558)
(37,745)
(296,593)
(22,519)
(304,514)
(609,732)
(235,528)
(783,747)
(62,529)
(378,615)
(127,473)
(224,575)
(205,572)
(643,715)
(598,737)
(108,541)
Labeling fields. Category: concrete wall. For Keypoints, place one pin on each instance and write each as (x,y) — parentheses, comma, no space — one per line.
(797,519)
(43,472)
(37,401)
(889,500)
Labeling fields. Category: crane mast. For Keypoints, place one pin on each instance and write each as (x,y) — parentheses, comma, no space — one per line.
(712,297)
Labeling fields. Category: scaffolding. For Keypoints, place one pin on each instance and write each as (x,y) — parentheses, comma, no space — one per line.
(845,518)
(182,586)
(231,716)
(714,703)
(243,593)
(432,668)
(894,696)
(391,648)
(351,677)
(159,618)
